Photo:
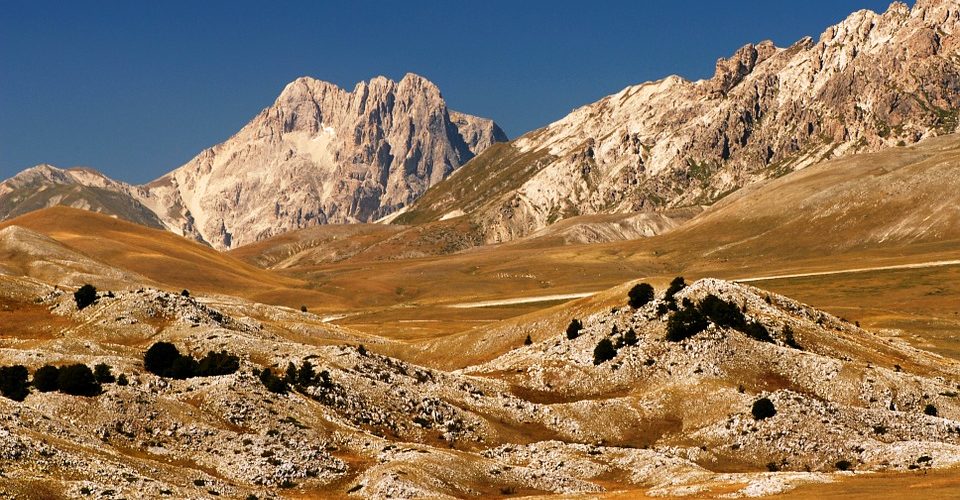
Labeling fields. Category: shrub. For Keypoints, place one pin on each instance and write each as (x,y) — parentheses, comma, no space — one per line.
(640,295)
(101,372)
(45,378)
(303,309)
(630,338)
(218,363)
(291,375)
(273,383)
(159,358)
(675,286)
(185,293)
(930,410)
(122,380)
(306,374)
(685,323)
(85,296)
(757,331)
(528,340)
(763,408)
(843,465)
(604,352)
(722,313)
(78,380)
(184,367)
(361,350)
(13,382)
(789,339)
(573,329)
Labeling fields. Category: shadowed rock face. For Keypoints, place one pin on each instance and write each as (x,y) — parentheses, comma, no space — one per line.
(319,154)
(875,80)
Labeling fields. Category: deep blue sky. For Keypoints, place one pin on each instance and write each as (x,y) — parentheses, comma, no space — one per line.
(135,89)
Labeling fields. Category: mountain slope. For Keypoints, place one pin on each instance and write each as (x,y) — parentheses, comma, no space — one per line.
(870,82)
(45,186)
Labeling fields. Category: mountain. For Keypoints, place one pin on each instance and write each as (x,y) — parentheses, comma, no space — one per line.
(45,186)
(871,82)
(318,155)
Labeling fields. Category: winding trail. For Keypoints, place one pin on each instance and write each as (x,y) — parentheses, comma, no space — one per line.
(570,296)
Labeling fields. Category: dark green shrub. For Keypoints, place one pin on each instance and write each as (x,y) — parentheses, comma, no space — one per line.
(45,379)
(685,323)
(184,367)
(78,380)
(790,339)
(843,465)
(361,350)
(763,408)
(604,352)
(122,380)
(630,338)
(13,382)
(185,293)
(291,375)
(218,363)
(303,309)
(757,331)
(930,410)
(101,372)
(675,286)
(640,295)
(159,358)
(528,340)
(573,329)
(85,296)
(306,374)
(722,313)
(272,382)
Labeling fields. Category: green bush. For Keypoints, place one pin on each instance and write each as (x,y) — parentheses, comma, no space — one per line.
(122,380)
(102,373)
(159,358)
(722,313)
(843,465)
(45,379)
(218,363)
(291,375)
(306,375)
(273,383)
(86,295)
(630,338)
(675,286)
(685,323)
(604,352)
(757,331)
(78,380)
(184,367)
(528,340)
(640,295)
(763,408)
(13,382)
(573,329)
(930,410)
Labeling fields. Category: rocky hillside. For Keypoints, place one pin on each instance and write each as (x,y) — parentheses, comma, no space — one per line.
(320,154)
(875,80)
(45,186)
(669,416)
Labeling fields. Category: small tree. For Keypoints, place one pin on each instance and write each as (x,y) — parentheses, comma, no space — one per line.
(159,358)
(675,286)
(185,293)
(291,375)
(102,373)
(122,380)
(604,352)
(306,374)
(528,340)
(640,295)
(78,380)
(13,382)
(45,378)
(573,329)
(763,408)
(843,465)
(85,296)
(272,382)
(790,339)
(218,363)
(303,309)
(930,410)
(685,323)
(630,338)
(722,313)
(184,367)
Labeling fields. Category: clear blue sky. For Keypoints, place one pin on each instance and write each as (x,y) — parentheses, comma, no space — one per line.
(136,88)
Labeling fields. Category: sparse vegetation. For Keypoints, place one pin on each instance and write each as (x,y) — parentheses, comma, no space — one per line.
(45,378)
(763,408)
(165,360)
(573,329)
(78,380)
(604,352)
(13,382)
(85,296)
(640,295)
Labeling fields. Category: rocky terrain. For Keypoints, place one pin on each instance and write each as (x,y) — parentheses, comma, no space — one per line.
(320,154)
(665,417)
(874,81)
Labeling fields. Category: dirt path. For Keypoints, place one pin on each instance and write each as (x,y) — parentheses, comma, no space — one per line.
(921,265)
(521,300)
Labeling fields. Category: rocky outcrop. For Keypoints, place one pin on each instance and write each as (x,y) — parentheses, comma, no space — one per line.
(875,80)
